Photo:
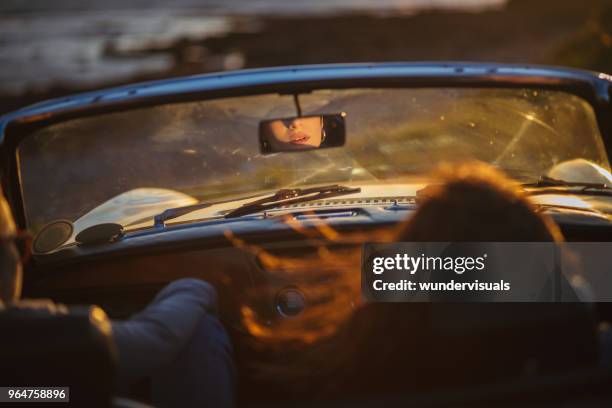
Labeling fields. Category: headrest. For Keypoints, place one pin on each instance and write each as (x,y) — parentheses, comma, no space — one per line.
(74,350)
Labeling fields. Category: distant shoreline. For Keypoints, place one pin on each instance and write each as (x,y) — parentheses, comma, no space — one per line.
(520,33)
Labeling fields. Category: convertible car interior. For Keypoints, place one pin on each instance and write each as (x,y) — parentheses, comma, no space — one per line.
(130,188)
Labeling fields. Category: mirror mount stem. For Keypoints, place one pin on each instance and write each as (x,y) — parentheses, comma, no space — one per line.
(298,108)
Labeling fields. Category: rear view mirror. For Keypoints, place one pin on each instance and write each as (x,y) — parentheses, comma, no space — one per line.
(301,133)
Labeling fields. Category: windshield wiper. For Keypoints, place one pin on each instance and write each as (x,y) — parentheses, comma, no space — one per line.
(171,213)
(583,187)
(280,197)
(291,196)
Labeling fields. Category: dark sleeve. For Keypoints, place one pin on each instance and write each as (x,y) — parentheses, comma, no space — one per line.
(154,337)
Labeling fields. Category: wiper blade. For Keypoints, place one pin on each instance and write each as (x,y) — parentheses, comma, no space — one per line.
(583,187)
(171,213)
(291,196)
(546,181)
(282,194)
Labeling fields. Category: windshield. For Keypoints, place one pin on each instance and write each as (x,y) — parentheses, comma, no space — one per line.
(209,150)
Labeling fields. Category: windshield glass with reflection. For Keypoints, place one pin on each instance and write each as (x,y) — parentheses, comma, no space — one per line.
(209,150)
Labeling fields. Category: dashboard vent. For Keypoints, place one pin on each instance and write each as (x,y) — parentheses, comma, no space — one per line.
(326,214)
(352,201)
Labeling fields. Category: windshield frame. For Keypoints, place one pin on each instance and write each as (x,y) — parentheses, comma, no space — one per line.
(593,88)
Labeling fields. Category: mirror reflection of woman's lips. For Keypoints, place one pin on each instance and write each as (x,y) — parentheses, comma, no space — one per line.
(298,138)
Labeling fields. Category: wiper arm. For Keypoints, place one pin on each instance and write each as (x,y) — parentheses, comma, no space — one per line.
(171,213)
(291,196)
(546,181)
(280,195)
(590,188)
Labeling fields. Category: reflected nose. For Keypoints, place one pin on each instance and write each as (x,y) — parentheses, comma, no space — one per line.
(291,124)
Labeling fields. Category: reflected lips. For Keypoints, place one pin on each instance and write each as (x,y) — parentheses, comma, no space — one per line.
(299,138)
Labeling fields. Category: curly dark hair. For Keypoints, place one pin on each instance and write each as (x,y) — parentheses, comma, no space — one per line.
(475,202)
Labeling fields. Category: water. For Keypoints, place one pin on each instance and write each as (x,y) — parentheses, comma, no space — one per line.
(85,43)
(226,7)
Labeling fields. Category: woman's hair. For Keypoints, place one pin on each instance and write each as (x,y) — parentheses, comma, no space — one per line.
(7,224)
(382,342)
(475,202)
(10,270)
(329,124)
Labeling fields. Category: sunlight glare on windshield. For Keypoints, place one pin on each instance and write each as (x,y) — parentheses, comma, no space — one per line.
(209,150)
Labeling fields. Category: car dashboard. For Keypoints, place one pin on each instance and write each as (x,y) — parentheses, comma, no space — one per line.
(286,277)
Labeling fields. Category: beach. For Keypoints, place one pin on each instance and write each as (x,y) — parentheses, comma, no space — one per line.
(50,50)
